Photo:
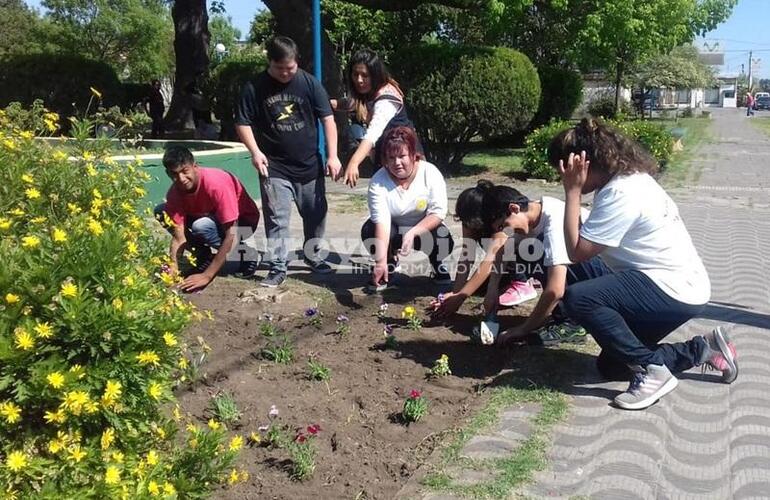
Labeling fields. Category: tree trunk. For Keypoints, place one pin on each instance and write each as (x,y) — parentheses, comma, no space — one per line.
(191,46)
(618,78)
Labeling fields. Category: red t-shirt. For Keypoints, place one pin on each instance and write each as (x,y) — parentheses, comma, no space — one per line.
(219,193)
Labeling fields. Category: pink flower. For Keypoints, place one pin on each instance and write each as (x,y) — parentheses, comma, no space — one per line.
(313,429)
(415,394)
(300,438)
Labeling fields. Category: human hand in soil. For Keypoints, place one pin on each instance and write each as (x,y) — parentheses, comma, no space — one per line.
(195,282)
(380,273)
(449,305)
(510,336)
(575,172)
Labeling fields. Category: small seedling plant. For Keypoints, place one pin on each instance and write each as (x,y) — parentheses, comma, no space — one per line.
(415,407)
(412,321)
(280,351)
(441,367)
(343,325)
(225,409)
(318,371)
(314,317)
(303,453)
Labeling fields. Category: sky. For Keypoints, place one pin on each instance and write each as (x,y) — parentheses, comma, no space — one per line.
(746,30)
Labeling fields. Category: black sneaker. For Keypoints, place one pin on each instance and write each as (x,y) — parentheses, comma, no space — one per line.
(441,275)
(318,266)
(247,268)
(274,279)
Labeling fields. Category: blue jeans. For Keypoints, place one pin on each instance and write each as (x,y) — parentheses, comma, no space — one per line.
(278,195)
(204,231)
(628,314)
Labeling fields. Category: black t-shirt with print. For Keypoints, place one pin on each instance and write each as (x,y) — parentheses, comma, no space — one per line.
(283,118)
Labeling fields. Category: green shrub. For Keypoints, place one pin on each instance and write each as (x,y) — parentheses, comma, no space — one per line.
(61,81)
(535,161)
(224,86)
(561,94)
(458,93)
(90,333)
(651,135)
(603,106)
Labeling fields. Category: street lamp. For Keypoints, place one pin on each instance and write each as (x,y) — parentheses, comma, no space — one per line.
(220,50)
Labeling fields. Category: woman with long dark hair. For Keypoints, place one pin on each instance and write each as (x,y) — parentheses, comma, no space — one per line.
(376,104)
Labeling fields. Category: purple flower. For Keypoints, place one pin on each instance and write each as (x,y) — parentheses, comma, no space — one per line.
(310,312)
(387,329)
(342,319)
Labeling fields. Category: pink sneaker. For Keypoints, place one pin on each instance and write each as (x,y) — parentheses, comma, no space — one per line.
(723,356)
(517,293)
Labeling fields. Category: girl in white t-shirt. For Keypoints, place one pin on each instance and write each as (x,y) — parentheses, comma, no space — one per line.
(657,280)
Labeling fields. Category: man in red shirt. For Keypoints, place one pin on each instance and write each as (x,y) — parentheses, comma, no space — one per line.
(205,206)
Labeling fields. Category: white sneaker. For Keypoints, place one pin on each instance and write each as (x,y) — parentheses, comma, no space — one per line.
(648,385)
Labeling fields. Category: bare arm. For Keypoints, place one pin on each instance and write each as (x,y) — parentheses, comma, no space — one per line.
(178,244)
(258,158)
(333,164)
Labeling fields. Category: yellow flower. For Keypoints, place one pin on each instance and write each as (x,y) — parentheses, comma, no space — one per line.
(59,236)
(32,193)
(44,330)
(38,220)
(95,93)
(74,209)
(112,391)
(236,443)
(169,339)
(191,428)
(108,437)
(5,224)
(17,212)
(78,371)
(55,417)
(183,363)
(55,380)
(129,281)
(55,446)
(26,134)
(16,461)
(233,478)
(134,222)
(132,248)
(92,407)
(11,298)
(147,358)
(69,289)
(155,390)
(8,143)
(167,279)
(24,340)
(27,178)
(409,312)
(177,414)
(255,438)
(88,156)
(50,125)
(112,475)
(30,241)
(153,488)
(117,303)
(118,456)
(168,489)
(76,454)
(75,401)
(152,457)
(213,424)
(59,155)
(140,192)
(11,412)
(95,227)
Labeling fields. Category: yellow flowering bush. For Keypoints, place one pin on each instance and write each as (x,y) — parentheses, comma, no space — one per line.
(90,344)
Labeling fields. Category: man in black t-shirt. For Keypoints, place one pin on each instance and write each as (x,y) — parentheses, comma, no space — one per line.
(275,119)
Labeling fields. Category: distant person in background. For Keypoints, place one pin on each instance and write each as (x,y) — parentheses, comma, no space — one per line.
(155,107)
(749,104)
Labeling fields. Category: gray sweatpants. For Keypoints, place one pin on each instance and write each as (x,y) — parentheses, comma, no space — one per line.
(277,197)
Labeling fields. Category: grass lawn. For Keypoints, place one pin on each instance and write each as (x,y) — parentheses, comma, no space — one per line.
(501,161)
(677,172)
(762,123)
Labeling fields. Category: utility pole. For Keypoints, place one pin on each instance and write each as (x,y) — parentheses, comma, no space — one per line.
(750,65)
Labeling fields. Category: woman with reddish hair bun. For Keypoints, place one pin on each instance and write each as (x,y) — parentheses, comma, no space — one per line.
(407,206)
